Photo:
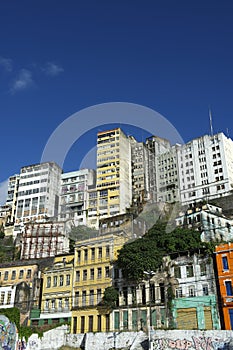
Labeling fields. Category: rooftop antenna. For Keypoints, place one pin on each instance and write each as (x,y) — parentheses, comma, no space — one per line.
(211,125)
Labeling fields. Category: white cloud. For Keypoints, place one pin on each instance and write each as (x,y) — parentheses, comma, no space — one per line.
(6,63)
(24,81)
(52,69)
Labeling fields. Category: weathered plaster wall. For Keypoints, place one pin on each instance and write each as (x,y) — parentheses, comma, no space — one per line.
(162,340)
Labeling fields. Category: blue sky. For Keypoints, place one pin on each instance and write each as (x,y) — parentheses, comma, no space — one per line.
(58,57)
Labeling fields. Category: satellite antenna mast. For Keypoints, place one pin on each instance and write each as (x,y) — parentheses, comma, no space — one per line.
(211,124)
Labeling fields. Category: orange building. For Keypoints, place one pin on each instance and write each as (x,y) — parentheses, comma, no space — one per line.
(224,263)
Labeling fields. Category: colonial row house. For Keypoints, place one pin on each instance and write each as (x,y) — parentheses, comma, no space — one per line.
(224,266)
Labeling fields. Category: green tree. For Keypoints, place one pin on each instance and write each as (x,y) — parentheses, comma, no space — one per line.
(110,297)
(146,253)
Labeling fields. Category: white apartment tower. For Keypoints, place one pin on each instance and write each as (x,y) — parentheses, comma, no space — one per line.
(12,194)
(38,192)
(156,146)
(74,192)
(205,168)
(167,177)
(113,173)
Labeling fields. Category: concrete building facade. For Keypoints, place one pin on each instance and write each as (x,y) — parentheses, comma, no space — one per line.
(195,305)
(92,275)
(42,240)
(56,301)
(114,183)
(74,195)
(205,168)
(209,220)
(38,192)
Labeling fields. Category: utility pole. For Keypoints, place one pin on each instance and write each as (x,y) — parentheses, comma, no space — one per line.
(149,275)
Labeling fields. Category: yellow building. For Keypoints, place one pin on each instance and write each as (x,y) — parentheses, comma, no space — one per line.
(92,275)
(56,298)
(19,287)
(113,173)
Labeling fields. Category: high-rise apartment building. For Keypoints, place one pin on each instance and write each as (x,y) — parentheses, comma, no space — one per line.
(113,172)
(205,168)
(38,192)
(140,170)
(167,177)
(12,194)
(74,193)
(156,146)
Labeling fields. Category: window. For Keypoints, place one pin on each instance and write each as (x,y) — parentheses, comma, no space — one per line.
(107,251)
(229,289)
(107,272)
(225,263)
(84,298)
(46,304)
(20,274)
(90,324)
(66,303)
(61,280)
(92,274)
(48,282)
(8,298)
(177,272)
(82,330)
(205,289)
(53,303)
(55,281)
(29,274)
(189,271)
(79,256)
(2,298)
(92,253)
(84,275)
(60,303)
(85,254)
(76,299)
(99,328)
(100,253)
(203,269)
(179,292)
(13,275)
(6,276)
(67,280)
(191,291)
(99,272)
(91,301)
(77,276)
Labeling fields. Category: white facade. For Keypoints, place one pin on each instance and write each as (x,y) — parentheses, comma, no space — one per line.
(92,204)
(12,195)
(38,192)
(210,221)
(205,168)
(155,146)
(7,296)
(194,276)
(167,178)
(74,195)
